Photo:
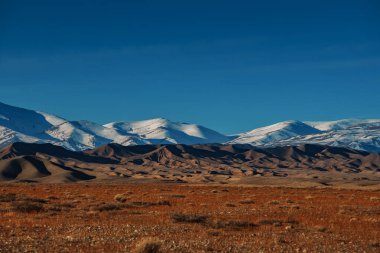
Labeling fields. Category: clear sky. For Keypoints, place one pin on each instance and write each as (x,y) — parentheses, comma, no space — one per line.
(229,65)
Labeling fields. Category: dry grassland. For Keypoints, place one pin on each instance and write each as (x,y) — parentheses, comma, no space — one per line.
(186,218)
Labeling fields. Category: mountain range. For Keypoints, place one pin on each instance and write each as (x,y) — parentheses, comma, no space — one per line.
(306,164)
(23,125)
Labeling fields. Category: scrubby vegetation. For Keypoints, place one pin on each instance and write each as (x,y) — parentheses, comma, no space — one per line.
(8,197)
(153,218)
(148,245)
(189,218)
(27,207)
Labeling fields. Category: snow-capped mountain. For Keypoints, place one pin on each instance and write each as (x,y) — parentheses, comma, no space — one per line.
(365,135)
(9,136)
(23,125)
(274,133)
(350,133)
(340,124)
(163,131)
(18,124)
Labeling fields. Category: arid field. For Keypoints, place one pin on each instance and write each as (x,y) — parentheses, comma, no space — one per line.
(87,217)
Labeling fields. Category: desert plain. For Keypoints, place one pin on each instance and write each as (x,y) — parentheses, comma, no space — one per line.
(169,217)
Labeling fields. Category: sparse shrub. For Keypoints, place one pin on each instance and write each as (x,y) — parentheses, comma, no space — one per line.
(71,238)
(163,203)
(290,227)
(106,207)
(233,224)
(141,203)
(121,198)
(189,218)
(214,233)
(320,228)
(27,207)
(178,196)
(147,204)
(247,202)
(291,221)
(270,222)
(374,199)
(230,205)
(148,245)
(65,205)
(8,197)
(273,202)
(36,200)
(55,209)
(277,223)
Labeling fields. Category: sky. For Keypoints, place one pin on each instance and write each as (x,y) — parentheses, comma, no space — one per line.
(229,65)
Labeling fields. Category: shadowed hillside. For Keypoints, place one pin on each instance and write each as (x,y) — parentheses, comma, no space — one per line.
(189,163)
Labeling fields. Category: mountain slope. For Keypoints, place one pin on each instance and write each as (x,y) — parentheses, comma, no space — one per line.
(213,163)
(30,168)
(81,135)
(9,136)
(349,133)
(273,133)
(364,136)
(163,131)
(340,124)
(18,124)
(221,157)
(23,125)
(26,122)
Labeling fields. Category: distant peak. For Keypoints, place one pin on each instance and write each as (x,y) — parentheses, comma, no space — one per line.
(290,122)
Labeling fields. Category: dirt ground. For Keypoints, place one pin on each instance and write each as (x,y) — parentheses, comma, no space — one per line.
(186,218)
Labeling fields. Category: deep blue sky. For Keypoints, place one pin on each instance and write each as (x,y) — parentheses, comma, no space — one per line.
(229,65)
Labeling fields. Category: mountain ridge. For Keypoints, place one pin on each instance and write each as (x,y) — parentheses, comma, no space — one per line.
(24,125)
(210,163)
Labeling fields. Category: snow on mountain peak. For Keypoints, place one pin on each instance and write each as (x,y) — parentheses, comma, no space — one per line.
(161,130)
(18,124)
(25,121)
(276,132)
(339,124)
